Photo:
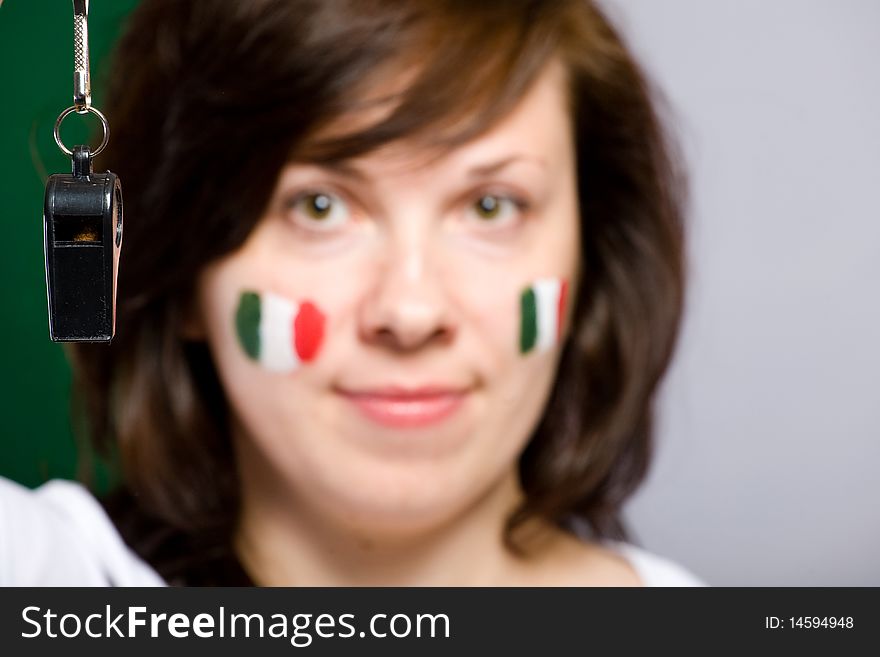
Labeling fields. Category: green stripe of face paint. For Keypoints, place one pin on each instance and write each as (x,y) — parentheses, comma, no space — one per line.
(247,323)
(528,332)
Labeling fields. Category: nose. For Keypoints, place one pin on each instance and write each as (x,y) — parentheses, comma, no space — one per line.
(406,308)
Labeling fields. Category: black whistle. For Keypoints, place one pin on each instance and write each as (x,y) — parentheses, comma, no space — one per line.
(82,236)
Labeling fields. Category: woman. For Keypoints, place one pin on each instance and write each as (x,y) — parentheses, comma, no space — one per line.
(399,282)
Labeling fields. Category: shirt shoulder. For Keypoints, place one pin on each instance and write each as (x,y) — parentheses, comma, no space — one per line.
(59,535)
(653,569)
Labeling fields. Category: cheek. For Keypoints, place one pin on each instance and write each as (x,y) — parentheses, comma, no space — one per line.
(542,312)
(518,319)
(278,333)
(521,323)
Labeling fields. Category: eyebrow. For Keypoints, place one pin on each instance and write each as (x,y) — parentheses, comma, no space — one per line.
(485,170)
(347,169)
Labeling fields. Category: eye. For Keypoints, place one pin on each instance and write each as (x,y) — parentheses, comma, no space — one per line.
(495,209)
(319,210)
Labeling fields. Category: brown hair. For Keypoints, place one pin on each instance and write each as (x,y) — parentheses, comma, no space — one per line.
(209,99)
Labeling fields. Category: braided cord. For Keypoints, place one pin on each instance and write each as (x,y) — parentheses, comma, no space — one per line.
(80,49)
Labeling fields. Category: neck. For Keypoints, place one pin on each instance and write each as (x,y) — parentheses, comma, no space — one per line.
(282,544)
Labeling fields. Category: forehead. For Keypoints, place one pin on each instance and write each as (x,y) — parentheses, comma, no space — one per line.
(538,126)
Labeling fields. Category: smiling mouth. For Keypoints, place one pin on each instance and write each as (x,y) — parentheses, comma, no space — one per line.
(407,407)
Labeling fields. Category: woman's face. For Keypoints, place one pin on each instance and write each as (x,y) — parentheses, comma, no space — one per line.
(387,336)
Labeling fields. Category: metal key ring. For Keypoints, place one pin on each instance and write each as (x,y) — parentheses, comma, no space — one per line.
(86,110)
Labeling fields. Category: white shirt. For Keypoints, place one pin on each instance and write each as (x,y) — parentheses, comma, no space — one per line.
(60,535)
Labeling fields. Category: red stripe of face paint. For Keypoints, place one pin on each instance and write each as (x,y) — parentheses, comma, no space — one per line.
(560,311)
(308,331)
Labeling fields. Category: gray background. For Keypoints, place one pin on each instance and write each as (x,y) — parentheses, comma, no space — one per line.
(767,469)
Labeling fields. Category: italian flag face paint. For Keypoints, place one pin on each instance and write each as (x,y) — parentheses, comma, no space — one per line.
(276,332)
(542,311)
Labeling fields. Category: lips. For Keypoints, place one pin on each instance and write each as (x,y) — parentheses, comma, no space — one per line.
(401,407)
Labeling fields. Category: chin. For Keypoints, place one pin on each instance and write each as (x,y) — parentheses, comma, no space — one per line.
(393,500)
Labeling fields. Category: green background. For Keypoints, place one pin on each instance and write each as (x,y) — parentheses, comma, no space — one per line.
(36,84)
